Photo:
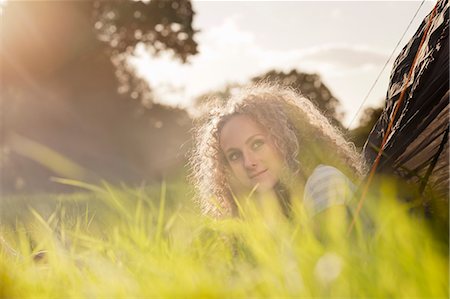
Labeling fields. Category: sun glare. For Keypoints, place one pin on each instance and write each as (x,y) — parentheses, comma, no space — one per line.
(2,5)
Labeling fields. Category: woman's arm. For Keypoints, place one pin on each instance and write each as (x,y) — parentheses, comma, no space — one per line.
(328,193)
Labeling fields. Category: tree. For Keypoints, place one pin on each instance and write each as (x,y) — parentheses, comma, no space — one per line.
(159,25)
(366,122)
(60,65)
(62,32)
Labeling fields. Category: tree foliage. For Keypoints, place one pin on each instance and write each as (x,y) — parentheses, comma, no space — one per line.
(366,122)
(60,33)
(158,25)
(60,65)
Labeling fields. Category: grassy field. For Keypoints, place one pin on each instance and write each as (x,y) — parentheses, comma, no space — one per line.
(111,242)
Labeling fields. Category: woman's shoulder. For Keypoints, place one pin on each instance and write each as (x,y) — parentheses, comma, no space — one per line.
(321,168)
(327,186)
(324,175)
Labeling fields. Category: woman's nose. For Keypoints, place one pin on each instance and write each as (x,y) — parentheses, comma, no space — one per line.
(249,161)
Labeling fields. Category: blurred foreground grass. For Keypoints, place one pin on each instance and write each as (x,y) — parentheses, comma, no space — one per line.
(151,243)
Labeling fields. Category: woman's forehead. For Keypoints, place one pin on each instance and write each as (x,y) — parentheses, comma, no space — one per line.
(238,129)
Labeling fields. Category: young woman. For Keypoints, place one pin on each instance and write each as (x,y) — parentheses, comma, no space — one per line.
(272,142)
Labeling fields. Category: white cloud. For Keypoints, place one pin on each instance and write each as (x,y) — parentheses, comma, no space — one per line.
(349,56)
(336,13)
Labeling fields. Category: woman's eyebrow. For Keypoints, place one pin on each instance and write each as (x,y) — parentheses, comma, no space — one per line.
(249,139)
(231,149)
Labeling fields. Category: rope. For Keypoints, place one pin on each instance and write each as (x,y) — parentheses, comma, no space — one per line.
(389,128)
(386,63)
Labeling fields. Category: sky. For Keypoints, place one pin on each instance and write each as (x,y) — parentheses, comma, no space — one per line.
(346,43)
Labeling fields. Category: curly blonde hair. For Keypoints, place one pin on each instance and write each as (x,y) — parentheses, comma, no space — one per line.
(303,136)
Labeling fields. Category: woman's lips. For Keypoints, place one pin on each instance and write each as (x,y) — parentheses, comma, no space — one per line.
(252,176)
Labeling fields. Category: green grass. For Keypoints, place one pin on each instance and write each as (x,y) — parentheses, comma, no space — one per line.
(152,243)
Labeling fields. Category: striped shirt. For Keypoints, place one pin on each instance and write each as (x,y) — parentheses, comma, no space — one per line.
(326,187)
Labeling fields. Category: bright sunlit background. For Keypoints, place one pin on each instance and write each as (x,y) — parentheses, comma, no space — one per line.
(2,3)
(75,107)
(346,43)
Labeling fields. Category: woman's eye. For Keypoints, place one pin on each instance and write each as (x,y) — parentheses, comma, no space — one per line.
(233,156)
(257,144)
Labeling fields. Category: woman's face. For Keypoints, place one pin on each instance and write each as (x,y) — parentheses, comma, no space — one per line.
(251,153)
